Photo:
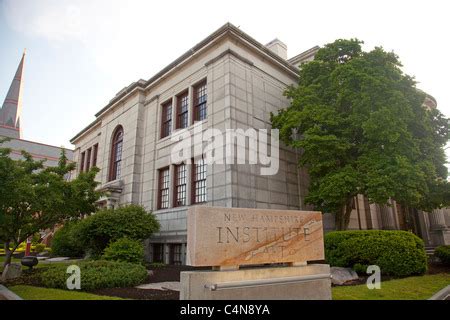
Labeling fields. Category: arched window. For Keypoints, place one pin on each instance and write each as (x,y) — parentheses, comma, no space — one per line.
(115,160)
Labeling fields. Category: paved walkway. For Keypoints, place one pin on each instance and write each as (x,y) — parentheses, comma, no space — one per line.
(169,285)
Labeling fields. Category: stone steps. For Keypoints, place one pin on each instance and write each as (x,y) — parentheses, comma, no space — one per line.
(430,250)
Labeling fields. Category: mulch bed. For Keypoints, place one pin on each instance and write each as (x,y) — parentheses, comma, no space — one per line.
(160,274)
(138,294)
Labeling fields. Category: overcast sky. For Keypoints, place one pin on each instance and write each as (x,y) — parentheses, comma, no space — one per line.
(81,53)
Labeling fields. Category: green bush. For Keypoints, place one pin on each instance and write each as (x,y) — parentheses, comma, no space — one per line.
(109,225)
(95,275)
(39,247)
(397,253)
(443,253)
(126,250)
(65,241)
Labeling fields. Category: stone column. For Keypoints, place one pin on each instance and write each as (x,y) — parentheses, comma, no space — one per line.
(437,219)
(109,203)
(183,253)
(387,218)
(439,232)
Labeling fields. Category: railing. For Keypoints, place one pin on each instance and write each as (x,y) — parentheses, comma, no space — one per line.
(265,282)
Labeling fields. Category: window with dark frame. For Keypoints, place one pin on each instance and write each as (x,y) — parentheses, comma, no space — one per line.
(158,252)
(94,155)
(88,159)
(115,168)
(163,188)
(182,110)
(199,181)
(200,98)
(166,123)
(83,154)
(175,254)
(180,185)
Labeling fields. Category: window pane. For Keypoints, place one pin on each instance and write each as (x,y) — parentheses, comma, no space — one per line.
(164,189)
(180,187)
(200,181)
(200,93)
(166,124)
(182,111)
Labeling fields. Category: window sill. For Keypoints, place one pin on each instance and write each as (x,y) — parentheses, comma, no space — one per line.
(176,131)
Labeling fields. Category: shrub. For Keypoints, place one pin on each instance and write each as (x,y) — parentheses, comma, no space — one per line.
(397,253)
(65,241)
(39,247)
(105,226)
(95,275)
(443,253)
(126,250)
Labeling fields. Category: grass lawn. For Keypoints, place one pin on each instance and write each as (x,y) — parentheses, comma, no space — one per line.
(411,288)
(37,293)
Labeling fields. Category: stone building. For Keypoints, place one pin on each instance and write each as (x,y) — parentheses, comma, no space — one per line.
(227,81)
(10,126)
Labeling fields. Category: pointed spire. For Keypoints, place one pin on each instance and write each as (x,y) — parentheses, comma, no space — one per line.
(12,106)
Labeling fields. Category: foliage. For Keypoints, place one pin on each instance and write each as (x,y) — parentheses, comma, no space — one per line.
(443,253)
(37,293)
(126,250)
(34,198)
(397,253)
(108,225)
(65,241)
(39,247)
(360,124)
(411,288)
(96,275)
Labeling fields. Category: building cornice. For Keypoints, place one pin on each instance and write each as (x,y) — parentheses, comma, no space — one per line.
(227,29)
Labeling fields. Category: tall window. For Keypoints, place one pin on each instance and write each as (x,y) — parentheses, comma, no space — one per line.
(175,254)
(182,111)
(166,123)
(200,98)
(115,166)
(88,159)
(199,181)
(94,156)
(158,252)
(83,157)
(180,185)
(163,188)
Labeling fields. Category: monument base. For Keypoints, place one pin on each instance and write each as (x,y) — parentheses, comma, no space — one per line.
(310,282)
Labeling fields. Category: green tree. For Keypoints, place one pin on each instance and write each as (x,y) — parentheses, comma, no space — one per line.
(361,126)
(34,198)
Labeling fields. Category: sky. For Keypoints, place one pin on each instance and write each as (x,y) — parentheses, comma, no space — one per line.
(81,53)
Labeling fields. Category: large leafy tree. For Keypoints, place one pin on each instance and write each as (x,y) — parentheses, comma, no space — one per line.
(362,128)
(34,198)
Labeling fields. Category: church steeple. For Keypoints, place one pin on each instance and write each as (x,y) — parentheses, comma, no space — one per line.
(12,106)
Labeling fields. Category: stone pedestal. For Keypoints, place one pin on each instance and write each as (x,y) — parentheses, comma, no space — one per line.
(310,282)
(11,271)
(387,218)
(439,232)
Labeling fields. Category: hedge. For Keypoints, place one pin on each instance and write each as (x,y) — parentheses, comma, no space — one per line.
(65,242)
(95,275)
(97,231)
(397,253)
(126,250)
(443,253)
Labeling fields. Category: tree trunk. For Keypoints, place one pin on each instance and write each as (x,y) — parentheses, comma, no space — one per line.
(342,219)
(8,255)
